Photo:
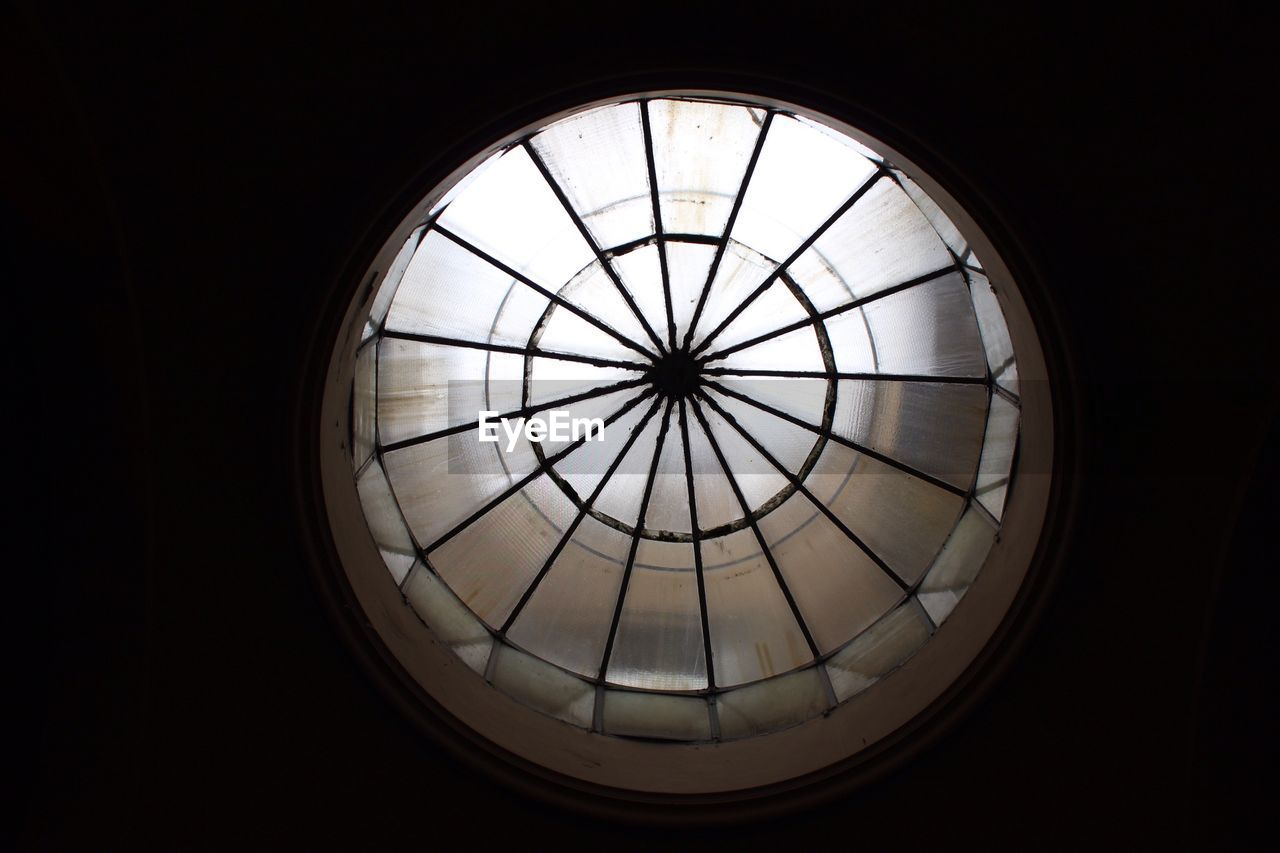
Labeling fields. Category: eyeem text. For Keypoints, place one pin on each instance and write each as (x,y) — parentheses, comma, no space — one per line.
(558,426)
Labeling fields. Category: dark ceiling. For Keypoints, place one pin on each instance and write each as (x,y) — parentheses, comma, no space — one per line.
(183,188)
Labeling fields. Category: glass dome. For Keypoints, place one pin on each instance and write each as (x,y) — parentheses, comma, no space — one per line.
(788,405)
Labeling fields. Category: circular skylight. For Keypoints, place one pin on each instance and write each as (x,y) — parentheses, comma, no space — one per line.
(684,420)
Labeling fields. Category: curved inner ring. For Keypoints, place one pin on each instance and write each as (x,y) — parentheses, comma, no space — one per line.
(676,375)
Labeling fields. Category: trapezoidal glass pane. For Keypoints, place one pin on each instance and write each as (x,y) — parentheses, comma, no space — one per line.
(700,153)
(598,159)
(659,644)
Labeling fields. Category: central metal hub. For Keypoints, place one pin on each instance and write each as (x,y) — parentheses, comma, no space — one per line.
(675,374)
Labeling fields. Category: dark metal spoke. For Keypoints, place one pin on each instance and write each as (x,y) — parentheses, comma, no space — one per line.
(657,221)
(533,475)
(635,543)
(755,528)
(839,439)
(820,374)
(823,316)
(697,548)
(1006,394)
(582,513)
(591,242)
(800,250)
(549,294)
(804,490)
(728,229)
(524,412)
(534,352)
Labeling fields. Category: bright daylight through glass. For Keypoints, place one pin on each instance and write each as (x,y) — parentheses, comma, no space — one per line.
(807,410)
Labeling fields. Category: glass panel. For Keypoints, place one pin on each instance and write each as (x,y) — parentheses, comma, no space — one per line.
(717,504)
(567,619)
(566,332)
(585,466)
(881,241)
(687,268)
(390,283)
(659,640)
(512,214)
(700,154)
(594,292)
(997,455)
(933,427)
(995,334)
(786,442)
(653,715)
(740,272)
(552,379)
(620,498)
(669,504)
(758,479)
(801,178)
(754,635)
(771,705)
(441,482)
(641,273)
(447,618)
(424,388)
(432,302)
(385,523)
(364,389)
(957,565)
(901,518)
(946,229)
(801,398)
(879,649)
(773,309)
(796,350)
(837,587)
(491,562)
(540,685)
(924,330)
(598,159)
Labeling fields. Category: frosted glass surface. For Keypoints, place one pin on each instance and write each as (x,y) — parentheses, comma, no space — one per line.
(598,159)
(997,455)
(877,650)
(653,715)
(771,705)
(364,417)
(385,523)
(700,152)
(932,427)
(957,565)
(659,643)
(802,177)
(450,620)
(540,685)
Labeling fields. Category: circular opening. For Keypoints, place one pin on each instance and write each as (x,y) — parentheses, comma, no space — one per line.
(686,443)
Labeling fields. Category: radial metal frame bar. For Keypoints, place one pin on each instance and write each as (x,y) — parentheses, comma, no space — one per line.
(755,528)
(840,211)
(527,143)
(839,439)
(635,545)
(821,316)
(804,490)
(543,291)
(531,476)
(723,243)
(657,221)
(582,513)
